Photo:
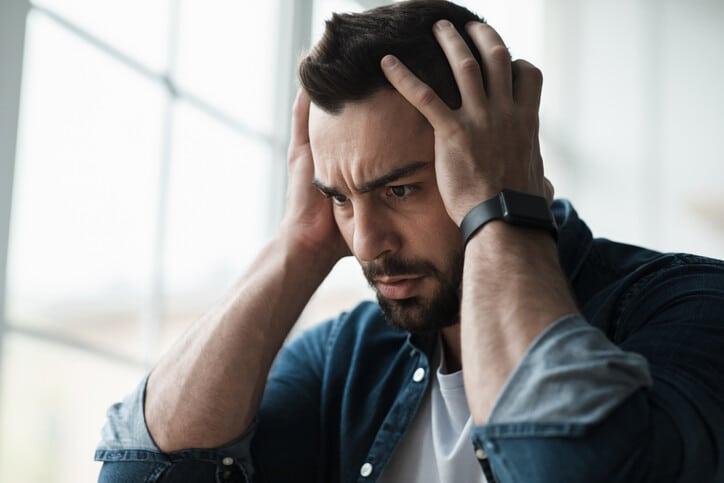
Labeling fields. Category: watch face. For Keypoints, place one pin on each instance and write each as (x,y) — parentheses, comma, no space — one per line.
(524,208)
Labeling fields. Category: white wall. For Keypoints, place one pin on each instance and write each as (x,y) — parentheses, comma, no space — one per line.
(633,118)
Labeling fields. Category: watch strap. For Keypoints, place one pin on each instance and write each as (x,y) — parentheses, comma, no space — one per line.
(513,207)
(488,210)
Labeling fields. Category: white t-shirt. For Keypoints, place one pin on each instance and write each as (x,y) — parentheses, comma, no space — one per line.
(437,445)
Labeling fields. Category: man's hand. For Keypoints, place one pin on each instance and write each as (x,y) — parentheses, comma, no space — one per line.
(207,388)
(308,219)
(513,286)
(491,142)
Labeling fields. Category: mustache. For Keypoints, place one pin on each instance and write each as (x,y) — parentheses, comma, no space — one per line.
(391,267)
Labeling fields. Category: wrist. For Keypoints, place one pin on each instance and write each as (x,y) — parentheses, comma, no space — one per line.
(515,208)
(501,241)
(305,252)
(517,267)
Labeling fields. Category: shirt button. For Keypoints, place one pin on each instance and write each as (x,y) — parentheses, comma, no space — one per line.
(419,374)
(228,461)
(480,454)
(366,470)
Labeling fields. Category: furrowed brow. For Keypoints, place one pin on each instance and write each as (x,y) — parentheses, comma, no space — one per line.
(393,175)
(327,190)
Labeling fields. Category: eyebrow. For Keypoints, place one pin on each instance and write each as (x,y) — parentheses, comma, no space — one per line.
(393,175)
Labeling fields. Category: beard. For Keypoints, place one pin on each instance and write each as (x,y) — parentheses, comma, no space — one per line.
(421,313)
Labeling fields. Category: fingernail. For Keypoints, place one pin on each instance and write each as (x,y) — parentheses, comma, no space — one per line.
(443,24)
(389,61)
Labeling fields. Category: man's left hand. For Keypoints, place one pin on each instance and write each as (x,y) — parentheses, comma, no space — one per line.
(491,142)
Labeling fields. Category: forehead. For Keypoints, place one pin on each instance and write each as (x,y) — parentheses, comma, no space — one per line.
(368,138)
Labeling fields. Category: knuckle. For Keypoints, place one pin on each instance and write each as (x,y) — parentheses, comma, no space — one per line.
(469,64)
(527,69)
(500,53)
(425,96)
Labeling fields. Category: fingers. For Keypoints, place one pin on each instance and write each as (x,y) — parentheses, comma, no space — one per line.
(300,119)
(496,60)
(464,66)
(528,84)
(415,91)
(505,81)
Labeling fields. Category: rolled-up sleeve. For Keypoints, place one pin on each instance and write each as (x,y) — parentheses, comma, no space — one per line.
(571,373)
(281,441)
(580,408)
(130,454)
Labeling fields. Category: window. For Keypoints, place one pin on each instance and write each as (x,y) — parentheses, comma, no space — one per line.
(146,179)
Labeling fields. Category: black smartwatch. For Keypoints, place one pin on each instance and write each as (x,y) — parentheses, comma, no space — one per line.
(513,207)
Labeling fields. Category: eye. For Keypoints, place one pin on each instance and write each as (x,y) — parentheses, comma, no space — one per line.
(400,192)
(339,200)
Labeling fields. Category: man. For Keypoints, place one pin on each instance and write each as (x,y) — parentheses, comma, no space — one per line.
(502,349)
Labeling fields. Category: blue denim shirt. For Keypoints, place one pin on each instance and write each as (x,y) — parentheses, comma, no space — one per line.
(632,390)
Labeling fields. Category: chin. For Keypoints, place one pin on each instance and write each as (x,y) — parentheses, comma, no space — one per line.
(417,314)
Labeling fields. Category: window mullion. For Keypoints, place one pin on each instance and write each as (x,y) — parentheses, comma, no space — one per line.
(12,37)
(215,112)
(100,44)
(154,313)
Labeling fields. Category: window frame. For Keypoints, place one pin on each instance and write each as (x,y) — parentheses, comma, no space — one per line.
(294,17)
(12,41)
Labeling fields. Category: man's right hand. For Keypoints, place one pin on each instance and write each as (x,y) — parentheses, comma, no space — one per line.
(308,219)
(207,388)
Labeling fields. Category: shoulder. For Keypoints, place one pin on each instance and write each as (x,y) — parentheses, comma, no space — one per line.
(680,289)
(624,286)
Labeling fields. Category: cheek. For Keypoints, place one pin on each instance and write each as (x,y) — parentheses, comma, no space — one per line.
(432,235)
(442,247)
(441,231)
(432,219)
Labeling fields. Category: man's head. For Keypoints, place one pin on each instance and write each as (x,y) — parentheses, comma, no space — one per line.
(344,66)
(374,155)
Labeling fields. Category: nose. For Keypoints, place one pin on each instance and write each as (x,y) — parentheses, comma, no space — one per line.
(374,234)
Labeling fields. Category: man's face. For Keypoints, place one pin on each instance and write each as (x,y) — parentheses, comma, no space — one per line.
(376,160)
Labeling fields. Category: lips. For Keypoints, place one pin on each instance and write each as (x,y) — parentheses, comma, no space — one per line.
(399,287)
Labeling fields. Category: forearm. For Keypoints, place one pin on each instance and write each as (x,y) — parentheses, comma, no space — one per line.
(206,389)
(513,289)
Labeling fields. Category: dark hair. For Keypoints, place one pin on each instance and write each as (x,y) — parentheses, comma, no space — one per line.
(345,65)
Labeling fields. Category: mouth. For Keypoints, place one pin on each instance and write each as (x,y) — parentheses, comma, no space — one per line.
(399,287)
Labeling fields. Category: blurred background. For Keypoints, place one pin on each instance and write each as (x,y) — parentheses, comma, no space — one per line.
(142,166)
